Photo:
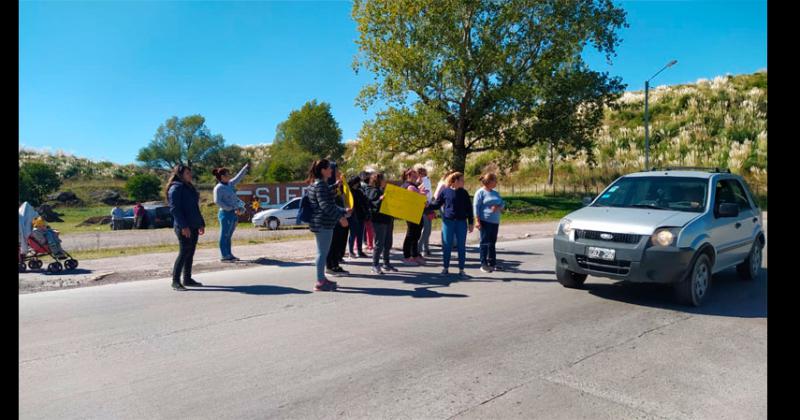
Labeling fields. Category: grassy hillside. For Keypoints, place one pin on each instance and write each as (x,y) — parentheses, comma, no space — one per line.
(712,123)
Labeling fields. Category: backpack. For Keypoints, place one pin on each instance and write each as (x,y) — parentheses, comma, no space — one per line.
(306,212)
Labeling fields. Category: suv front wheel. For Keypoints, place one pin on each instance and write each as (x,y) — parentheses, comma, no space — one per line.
(694,289)
(751,267)
(568,278)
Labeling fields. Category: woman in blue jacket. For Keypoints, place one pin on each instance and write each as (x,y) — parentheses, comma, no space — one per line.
(184,205)
(457,220)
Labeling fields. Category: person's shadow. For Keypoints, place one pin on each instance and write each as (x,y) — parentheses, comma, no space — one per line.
(259,290)
(418,292)
(277,263)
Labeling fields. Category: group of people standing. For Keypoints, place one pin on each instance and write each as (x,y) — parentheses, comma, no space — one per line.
(332,220)
(338,228)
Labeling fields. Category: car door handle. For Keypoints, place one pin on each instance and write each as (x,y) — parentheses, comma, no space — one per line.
(738,225)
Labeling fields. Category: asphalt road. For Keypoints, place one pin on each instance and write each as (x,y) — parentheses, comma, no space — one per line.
(257,343)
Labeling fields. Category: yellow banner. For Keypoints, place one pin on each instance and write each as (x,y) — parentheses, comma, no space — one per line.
(349,201)
(403,204)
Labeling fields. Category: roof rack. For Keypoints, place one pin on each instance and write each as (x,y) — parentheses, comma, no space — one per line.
(692,168)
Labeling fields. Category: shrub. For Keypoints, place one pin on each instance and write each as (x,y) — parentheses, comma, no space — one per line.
(36,180)
(143,187)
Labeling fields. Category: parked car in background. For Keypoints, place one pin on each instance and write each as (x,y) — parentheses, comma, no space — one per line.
(284,215)
(675,227)
(157,216)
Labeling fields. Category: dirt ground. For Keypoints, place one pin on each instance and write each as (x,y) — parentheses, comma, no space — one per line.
(159,265)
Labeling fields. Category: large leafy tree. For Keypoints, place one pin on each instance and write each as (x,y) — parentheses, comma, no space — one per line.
(288,162)
(573,111)
(231,157)
(314,129)
(469,74)
(184,140)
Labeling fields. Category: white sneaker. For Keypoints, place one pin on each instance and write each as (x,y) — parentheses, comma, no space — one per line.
(486,269)
(377,270)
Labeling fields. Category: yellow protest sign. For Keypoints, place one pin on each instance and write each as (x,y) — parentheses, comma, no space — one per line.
(349,201)
(403,204)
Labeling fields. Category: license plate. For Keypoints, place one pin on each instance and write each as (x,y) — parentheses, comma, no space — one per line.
(602,253)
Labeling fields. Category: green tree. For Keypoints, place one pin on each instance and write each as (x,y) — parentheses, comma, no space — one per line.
(288,161)
(181,141)
(231,157)
(467,72)
(36,180)
(573,112)
(281,172)
(143,187)
(314,129)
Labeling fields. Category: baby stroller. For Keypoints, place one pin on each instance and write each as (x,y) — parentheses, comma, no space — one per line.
(38,249)
(34,245)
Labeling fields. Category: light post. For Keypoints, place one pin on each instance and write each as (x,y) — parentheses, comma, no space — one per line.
(646,116)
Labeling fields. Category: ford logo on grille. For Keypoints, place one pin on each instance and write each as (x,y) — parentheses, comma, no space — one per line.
(607,236)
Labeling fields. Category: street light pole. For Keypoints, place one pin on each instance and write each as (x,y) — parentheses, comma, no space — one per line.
(647,117)
(646,128)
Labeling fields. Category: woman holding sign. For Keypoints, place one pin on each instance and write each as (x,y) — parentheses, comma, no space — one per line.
(383,224)
(325,215)
(414,232)
(457,218)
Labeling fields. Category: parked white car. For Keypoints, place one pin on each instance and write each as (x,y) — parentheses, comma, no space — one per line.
(285,215)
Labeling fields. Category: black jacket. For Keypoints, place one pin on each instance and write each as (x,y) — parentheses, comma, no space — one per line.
(184,205)
(373,196)
(455,204)
(360,205)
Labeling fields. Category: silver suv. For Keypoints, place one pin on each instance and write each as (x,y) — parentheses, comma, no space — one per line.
(664,226)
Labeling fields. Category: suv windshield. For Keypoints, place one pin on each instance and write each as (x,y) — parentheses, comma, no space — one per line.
(657,192)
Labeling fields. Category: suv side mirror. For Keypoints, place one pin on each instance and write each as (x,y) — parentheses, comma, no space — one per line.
(728,210)
(587,200)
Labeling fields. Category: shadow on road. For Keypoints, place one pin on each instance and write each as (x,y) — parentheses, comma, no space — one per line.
(260,290)
(276,263)
(729,296)
(74,272)
(418,292)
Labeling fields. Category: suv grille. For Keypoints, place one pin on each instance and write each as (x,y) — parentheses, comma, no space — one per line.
(625,238)
(613,267)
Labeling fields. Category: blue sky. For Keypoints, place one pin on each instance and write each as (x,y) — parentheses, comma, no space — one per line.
(96,79)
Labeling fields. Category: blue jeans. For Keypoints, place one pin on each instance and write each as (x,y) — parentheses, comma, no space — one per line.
(454,231)
(227,223)
(356,233)
(424,240)
(488,241)
(324,238)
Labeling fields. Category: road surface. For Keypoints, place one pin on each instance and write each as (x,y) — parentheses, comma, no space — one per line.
(257,343)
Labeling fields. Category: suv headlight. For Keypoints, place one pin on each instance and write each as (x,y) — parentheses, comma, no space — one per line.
(664,236)
(565,227)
